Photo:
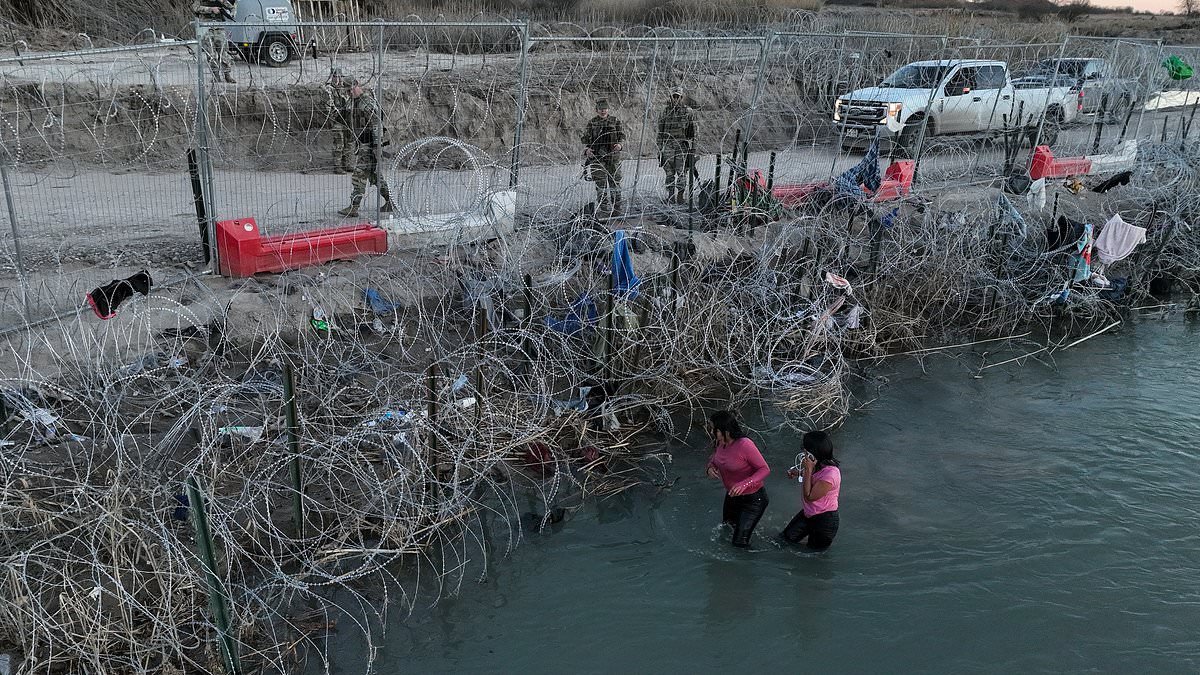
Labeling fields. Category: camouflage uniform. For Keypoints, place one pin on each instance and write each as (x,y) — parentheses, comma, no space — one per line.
(676,130)
(364,119)
(215,42)
(336,98)
(604,165)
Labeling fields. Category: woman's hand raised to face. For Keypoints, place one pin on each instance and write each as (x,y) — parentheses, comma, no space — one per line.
(808,463)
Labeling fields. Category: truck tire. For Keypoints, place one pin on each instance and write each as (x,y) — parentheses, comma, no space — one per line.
(1054,124)
(275,52)
(906,142)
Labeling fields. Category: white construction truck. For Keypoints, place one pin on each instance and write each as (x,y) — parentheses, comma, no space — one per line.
(951,97)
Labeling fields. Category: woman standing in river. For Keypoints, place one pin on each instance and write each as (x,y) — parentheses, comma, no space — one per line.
(822,481)
(739,465)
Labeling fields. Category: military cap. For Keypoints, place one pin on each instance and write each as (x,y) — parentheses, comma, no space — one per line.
(677,91)
(601,103)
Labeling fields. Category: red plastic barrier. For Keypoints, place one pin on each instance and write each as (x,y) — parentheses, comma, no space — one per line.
(897,180)
(1046,165)
(791,195)
(245,252)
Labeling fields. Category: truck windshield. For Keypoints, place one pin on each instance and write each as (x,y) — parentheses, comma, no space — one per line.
(915,77)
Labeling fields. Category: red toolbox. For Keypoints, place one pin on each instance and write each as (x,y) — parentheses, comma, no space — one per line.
(245,252)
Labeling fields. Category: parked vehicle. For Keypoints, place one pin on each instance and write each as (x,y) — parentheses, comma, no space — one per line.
(951,97)
(275,44)
(1093,80)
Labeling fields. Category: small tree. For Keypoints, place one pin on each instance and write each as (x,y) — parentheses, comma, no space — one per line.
(1189,7)
(1074,9)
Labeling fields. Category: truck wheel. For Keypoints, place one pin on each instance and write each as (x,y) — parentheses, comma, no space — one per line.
(906,142)
(1119,110)
(1054,123)
(275,52)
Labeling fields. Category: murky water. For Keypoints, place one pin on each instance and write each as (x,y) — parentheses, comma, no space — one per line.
(1031,521)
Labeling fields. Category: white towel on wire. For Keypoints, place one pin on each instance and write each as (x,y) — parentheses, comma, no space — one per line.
(1118,239)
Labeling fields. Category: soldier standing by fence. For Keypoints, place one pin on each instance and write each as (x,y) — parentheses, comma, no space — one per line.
(602,139)
(676,132)
(365,120)
(215,42)
(336,101)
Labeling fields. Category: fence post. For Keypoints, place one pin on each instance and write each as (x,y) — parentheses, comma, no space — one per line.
(764,52)
(293,440)
(637,166)
(377,150)
(514,168)
(12,220)
(916,154)
(216,591)
(203,159)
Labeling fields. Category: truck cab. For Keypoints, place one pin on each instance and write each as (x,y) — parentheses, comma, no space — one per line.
(944,97)
(274,44)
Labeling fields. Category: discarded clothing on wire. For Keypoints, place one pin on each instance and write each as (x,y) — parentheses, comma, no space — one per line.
(582,314)
(106,299)
(1110,183)
(625,281)
(1007,214)
(1064,232)
(864,174)
(838,282)
(377,304)
(1118,239)
(1037,194)
(1116,289)
(1082,260)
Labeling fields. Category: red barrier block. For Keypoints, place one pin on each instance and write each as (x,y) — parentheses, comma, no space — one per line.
(793,194)
(1046,165)
(245,252)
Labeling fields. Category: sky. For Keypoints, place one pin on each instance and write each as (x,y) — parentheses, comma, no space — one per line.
(1151,5)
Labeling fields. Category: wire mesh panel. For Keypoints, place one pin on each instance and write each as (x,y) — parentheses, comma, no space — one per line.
(636,78)
(419,125)
(95,144)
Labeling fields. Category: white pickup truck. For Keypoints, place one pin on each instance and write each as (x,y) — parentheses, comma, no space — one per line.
(950,97)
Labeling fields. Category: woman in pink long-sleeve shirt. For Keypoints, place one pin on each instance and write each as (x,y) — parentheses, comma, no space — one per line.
(741,468)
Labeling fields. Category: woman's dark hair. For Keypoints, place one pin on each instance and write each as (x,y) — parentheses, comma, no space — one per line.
(723,420)
(820,445)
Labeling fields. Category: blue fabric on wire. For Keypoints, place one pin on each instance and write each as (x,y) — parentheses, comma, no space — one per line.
(866,172)
(625,282)
(377,303)
(582,314)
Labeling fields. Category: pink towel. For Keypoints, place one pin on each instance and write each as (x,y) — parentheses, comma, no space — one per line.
(1118,239)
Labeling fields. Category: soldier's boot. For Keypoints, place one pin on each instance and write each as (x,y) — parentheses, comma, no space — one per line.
(617,208)
(229,78)
(387,206)
(352,210)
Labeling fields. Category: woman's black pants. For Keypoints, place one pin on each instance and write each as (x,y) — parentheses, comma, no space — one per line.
(743,513)
(820,529)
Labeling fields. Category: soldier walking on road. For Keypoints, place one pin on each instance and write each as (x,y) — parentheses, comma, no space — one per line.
(602,139)
(215,42)
(676,132)
(365,120)
(337,96)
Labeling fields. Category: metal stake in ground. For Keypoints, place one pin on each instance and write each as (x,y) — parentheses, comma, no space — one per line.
(293,440)
(216,591)
(12,220)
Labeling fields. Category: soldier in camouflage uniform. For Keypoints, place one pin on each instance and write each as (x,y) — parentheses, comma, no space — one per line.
(602,139)
(676,131)
(215,42)
(365,121)
(336,98)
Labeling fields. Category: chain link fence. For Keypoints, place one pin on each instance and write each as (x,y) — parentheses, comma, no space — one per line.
(110,169)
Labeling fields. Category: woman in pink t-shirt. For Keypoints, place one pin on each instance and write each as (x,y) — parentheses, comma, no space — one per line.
(818,519)
(741,468)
